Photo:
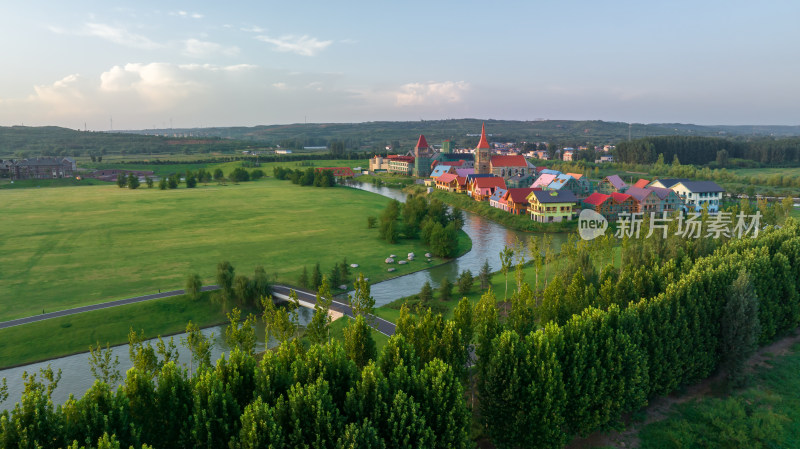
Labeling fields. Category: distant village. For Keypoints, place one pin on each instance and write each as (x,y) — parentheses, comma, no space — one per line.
(510,182)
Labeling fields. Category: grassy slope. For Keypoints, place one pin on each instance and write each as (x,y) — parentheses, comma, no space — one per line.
(35,341)
(74,246)
(765,415)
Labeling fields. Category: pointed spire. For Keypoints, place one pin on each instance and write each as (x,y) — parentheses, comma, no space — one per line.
(422,143)
(483,144)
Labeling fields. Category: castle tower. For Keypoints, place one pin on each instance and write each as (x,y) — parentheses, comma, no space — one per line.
(483,154)
(446,147)
(422,158)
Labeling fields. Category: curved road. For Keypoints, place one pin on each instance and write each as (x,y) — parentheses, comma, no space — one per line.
(307,299)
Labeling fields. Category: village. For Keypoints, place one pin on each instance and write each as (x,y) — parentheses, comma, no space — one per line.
(510,182)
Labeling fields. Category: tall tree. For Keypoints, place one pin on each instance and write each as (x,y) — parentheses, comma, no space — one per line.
(240,334)
(740,327)
(318,330)
(104,368)
(358,342)
(303,280)
(426,293)
(465,281)
(193,285)
(122,180)
(361,300)
(485,276)
(133,181)
(506,259)
(316,277)
(199,345)
(445,290)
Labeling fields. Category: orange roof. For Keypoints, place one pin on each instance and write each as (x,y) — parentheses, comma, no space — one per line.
(462,180)
(490,182)
(422,143)
(642,183)
(575,175)
(483,144)
(446,178)
(509,161)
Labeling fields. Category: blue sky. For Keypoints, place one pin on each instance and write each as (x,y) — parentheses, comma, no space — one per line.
(148,64)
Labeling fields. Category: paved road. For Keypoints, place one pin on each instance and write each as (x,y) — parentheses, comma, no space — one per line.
(381,325)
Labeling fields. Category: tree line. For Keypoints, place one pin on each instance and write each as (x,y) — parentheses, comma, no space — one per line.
(308,177)
(703,150)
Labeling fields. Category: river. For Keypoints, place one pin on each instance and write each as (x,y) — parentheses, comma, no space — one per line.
(488,239)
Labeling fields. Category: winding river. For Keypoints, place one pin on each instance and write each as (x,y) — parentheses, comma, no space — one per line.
(488,239)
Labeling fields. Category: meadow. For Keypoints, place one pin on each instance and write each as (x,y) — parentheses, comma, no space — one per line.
(71,246)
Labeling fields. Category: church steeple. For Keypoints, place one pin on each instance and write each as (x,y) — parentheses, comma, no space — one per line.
(483,154)
(483,144)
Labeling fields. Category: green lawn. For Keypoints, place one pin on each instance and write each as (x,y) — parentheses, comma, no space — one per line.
(71,246)
(767,414)
(73,334)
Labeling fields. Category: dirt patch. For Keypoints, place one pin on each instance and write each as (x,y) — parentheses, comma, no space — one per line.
(659,408)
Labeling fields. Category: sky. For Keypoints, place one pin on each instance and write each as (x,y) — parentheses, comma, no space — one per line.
(109,64)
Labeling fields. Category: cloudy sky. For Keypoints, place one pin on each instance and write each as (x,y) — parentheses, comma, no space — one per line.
(190,64)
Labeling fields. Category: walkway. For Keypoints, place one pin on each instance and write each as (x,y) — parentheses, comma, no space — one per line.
(307,299)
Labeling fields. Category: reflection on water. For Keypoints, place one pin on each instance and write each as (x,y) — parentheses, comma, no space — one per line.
(488,239)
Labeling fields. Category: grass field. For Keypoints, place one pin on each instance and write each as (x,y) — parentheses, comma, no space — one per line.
(69,247)
(767,414)
(72,334)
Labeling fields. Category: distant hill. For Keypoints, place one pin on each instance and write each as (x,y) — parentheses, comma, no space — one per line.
(376,135)
(369,136)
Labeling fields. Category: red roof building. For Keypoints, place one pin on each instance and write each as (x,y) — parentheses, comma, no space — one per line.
(517,200)
(641,183)
(482,188)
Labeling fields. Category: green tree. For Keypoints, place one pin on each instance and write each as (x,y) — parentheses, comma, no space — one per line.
(318,330)
(142,355)
(316,277)
(193,285)
(225,276)
(303,281)
(426,293)
(149,181)
(361,301)
(446,290)
(371,222)
(104,368)
(240,334)
(242,290)
(239,175)
(358,342)
(281,322)
(162,184)
(173,181)
(465,281)
(506,259)
(218,175)
(191,181)
(485,276)
(199,345)
(133,181)
(740,328)
(122,180)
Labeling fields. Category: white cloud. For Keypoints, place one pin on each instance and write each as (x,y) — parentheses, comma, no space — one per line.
(196,48)
(280,86)
(302,45)
(431,93)
(193,15)
(253,29)
(118,35)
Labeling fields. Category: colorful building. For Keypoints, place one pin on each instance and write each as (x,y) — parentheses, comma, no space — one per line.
(422,158)
(448,182)
(611,184)
(697,194)
(401,164)
(497,201)
(481,188)
(516,200)
(549,206)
